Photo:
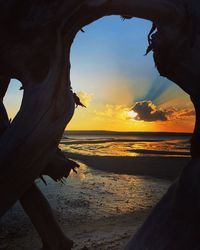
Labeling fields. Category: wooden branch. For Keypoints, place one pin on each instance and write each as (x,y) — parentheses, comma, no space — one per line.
(159,11)
(4,120)
(174,222)
(26,146)
(59,166)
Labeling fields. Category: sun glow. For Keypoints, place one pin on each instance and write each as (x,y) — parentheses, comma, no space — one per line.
(132,114)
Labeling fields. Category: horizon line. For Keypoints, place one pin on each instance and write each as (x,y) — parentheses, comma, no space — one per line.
(113,131)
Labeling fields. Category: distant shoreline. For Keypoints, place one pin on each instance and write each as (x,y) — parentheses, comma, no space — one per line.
(105,132)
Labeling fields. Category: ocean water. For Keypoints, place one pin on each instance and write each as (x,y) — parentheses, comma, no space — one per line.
(114,191)
(111,193)
(126,144)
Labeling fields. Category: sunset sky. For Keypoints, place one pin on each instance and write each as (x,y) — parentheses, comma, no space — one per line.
(119,85)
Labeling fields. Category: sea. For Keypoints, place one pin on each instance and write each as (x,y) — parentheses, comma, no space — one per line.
(98,193)
(105,143)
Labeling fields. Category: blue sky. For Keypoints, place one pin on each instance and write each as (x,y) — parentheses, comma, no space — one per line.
(109,72)
(114,49)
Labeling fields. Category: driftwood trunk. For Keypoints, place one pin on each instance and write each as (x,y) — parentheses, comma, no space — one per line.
(35,42)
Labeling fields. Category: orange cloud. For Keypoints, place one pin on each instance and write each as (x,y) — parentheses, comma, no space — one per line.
(175,114)
(85,97)
(118,118)
(113,111)
(182,114)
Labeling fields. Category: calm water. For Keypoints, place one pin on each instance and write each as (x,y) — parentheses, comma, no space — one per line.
(127,192)
(127,144)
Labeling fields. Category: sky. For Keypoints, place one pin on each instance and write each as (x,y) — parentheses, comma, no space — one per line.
(119,85)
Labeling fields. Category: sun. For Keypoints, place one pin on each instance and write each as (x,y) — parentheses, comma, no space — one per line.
(132,114)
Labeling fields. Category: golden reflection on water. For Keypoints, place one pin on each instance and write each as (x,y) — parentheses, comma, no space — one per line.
(120,148)
(101,194)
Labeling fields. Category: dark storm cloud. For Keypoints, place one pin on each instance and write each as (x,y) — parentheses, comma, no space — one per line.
(147,111)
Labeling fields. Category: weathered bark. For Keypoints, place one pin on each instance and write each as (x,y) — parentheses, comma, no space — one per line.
(34,134)
(35,44)
(174,222)
(41,215)
(35,49)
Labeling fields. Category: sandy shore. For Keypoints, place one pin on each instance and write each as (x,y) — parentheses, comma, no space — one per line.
(112,233)
(83,206)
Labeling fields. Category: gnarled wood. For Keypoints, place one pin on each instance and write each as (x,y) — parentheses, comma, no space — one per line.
(35,132)
(35,44)
(47,104)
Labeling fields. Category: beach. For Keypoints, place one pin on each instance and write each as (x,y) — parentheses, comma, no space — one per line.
(117,185)
(159,167)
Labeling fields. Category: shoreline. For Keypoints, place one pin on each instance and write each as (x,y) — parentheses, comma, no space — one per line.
(159,167)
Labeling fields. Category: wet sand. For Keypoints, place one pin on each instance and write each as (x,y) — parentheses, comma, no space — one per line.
(97,208)
(159,167)
(108,233)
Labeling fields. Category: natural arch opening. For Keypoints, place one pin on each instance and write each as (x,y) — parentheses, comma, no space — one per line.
(13,98)
(109,69)
(108,151)
(129,95)
(51,106)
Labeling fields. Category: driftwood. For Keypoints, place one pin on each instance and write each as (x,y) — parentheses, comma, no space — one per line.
(36,37)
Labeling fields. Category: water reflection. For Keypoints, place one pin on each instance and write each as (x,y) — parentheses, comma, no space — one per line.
(93,194)
(128,148)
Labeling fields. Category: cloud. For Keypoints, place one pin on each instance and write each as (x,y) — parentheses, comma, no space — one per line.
(188,113)
(147,111)
(110,111)
(182,114)
(85,97)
